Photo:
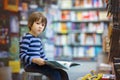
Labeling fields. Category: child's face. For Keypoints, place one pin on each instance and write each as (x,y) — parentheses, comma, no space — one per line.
(37,27)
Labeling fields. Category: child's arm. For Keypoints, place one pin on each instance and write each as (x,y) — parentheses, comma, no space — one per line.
(24,45)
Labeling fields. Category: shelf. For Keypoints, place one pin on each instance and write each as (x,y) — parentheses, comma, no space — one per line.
(60,33)
(81,21)
(75,58)
(77,45)
(63,58)
(76,31)
(84,58)
(83,9)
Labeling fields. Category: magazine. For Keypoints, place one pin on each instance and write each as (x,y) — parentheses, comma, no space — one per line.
(62,64)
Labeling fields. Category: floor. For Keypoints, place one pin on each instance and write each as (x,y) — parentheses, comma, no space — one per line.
(75,73)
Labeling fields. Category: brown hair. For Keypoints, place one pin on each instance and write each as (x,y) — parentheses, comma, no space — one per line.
(35,16)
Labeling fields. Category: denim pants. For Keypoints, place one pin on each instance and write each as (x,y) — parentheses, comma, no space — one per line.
(51,73)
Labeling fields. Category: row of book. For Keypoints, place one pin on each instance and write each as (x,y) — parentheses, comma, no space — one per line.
(78,39)
(82,15)
(81,3)
(65,27)
(87,51)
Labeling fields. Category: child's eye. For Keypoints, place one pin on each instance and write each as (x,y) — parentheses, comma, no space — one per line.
(43,24)
(37,23)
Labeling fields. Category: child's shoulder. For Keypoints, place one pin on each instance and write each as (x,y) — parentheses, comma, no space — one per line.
(27,36)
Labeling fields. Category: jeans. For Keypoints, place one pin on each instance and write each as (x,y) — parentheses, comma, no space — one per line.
(51,73)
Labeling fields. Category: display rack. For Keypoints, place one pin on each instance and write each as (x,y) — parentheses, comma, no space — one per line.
(78,29)
(4,32)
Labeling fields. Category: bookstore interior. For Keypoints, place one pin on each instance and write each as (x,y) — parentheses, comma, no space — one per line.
(77,30)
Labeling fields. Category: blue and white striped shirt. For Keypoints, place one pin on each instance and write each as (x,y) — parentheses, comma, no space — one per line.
(31,47)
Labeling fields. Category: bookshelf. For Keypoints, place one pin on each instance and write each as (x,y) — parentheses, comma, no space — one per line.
(4,32)
(78,28)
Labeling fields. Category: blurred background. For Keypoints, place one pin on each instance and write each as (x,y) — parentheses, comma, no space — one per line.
(77,30)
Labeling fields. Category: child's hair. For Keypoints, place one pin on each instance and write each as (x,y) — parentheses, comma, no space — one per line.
(36,16)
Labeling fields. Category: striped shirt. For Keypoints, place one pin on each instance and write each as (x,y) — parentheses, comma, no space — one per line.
(31,47)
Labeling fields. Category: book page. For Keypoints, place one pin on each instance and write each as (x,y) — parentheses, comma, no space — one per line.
(55,64)
(65,63)
(68,64)
(61,64)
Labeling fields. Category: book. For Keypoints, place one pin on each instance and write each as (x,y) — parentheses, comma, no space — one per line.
(61,64)
(63,4)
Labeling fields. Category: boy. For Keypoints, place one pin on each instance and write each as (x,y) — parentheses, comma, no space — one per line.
(31,50)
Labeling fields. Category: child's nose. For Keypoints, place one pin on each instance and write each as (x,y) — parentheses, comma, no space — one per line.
(40,26)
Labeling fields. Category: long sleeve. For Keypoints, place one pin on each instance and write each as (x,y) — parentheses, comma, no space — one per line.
(24,46)
(42,53)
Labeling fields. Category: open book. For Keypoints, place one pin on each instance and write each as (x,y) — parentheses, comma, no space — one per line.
(62,64)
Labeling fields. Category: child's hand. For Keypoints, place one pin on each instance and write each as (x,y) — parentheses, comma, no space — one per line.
(38,61)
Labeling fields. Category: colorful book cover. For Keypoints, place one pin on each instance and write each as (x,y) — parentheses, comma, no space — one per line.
(64,40)
(57,39)
(98,50)
(58,52)
(67,51)
(14,48)
(64,5)
(65,15)
(75,51)
(89,51)
(79,16)
(81,52)
(64,28)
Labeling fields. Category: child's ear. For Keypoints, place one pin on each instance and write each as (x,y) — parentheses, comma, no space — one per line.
(29,26)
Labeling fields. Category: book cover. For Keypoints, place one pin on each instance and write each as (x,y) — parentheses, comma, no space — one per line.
(81,52)
(58,51)
(89,51)
(64,5)
(14,48)
(67,51)
(62,64)
(65,15)
(75,51)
